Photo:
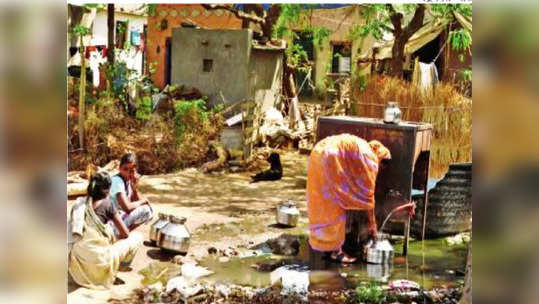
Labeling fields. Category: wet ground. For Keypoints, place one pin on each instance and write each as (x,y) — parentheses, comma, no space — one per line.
(225,211)
(437,265)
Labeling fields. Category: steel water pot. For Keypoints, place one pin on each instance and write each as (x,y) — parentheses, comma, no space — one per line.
(287,214)
(159,224)
(392,113)
(174,236)
(380,252)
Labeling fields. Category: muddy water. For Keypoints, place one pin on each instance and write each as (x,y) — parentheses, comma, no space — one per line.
(432,264)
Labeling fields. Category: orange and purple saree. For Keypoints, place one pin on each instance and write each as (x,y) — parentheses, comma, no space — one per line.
(341,175)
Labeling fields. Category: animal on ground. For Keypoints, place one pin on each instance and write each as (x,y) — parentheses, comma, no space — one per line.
(275,172)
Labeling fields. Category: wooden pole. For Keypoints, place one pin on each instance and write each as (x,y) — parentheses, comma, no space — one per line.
(82,92)
(425,196)
(110,33)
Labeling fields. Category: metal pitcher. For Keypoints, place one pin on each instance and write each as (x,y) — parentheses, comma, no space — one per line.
(380,252)
(392,113)
(174,236)
(287,214)
(161,222)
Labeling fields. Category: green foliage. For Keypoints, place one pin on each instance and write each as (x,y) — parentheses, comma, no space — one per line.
(466,74)
(460,39)
(319,33)
(93,5)
(446,10)
(119,77)
(296,54)
(363,82)
(189,115)
(378,21)
(151,9)
(144,108)
(291,16)
(81,30)
(121,27)
(370,294)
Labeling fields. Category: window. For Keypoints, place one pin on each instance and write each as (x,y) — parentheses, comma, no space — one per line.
(305,39)
(121,33)
(341,57)
(207,65)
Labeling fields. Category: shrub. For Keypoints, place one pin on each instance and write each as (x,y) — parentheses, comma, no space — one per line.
(371,294)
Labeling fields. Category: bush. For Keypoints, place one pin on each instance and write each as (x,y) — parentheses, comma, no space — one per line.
(370,294)
(144,108)
(189,116)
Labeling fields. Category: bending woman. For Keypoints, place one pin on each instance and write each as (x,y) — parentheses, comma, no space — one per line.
(341,176)
(94,260)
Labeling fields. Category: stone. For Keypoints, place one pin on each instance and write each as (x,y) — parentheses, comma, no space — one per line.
(212,250)
(285,244)
(183,286)
(192,271)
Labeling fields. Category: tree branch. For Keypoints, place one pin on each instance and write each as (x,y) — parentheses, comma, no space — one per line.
(417,21)
(239,14)
(396,19)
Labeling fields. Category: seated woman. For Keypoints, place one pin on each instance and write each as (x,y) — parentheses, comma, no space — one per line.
(341,176)
(95,258)
(124,195)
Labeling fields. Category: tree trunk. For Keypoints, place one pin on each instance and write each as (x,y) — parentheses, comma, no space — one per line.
(82,93)
(397,56)
(273,14)
(110,33)
(403,34)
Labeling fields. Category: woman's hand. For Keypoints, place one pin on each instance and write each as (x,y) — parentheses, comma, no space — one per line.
(135,179)
(373,233)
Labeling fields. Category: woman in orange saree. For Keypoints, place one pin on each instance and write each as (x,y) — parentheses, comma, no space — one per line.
(341,175)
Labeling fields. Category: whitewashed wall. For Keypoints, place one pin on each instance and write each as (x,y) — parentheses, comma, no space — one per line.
(100,25)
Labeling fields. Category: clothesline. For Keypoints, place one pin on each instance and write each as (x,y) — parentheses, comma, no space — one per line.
(404,107)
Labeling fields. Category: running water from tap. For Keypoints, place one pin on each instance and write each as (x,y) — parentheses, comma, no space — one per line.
(410,205)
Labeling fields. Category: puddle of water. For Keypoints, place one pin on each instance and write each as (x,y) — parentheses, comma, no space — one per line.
(427,264)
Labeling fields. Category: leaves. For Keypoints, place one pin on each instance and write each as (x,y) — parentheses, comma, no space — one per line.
(290,17)
(189,116)
(446,10)
(460,39)
(144,108)
(466,74)
(81,30)
(370,294)
(151,9)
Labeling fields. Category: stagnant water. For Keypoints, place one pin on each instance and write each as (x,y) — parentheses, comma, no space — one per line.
(431,264)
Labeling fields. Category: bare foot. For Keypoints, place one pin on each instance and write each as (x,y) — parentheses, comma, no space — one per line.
(342,257)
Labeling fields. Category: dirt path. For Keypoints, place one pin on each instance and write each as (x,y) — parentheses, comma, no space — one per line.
(222,210)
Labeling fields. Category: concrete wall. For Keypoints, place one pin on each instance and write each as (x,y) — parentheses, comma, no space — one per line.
(175,14)
(230,52)
(266,75)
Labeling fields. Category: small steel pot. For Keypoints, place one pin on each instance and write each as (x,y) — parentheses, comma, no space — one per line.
(380,252)
(287,214)
(161,222)
(392,113)
(174,236)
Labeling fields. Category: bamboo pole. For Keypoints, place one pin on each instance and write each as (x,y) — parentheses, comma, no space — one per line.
(82,93)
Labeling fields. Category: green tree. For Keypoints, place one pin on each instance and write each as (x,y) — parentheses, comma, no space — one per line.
(390,18)
(82,31)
